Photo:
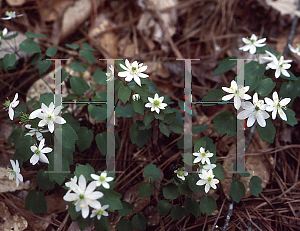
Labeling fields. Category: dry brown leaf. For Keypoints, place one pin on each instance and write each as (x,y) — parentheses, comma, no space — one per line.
(79,11)
(75,227)
(55,203)
(158,69)
(15,2)
(53,11)
(107,41)
(284,6)
(254,164)
(7,185)
(152,215)
(11,222)
(147,22)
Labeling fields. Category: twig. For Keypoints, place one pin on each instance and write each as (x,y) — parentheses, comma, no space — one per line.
(292,33)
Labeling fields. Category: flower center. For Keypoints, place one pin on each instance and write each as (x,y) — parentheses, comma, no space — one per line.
(203,154)
(81,196)
(156,103)
(7,103)
(252,41)
(100,212)
(257,108)
(209,179)
(37,152)
(180,173)
(278,105)
(102,178)
(133,69)
(13,172)
(49,117)
(237,92)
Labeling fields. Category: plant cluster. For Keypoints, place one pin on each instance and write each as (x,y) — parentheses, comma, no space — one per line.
(92,195)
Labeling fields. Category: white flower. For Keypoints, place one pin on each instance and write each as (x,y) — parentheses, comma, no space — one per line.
(238,92)
(202,156)
(207,179)
(15,172)
(136,97)
(252,43)
(83,196)
(102,179)
(206,167)
(35,131)
(255,111)
(110,75)
(280,65)
(69,183)
(48,115)
(39,153)
(133,71)
(181,173)
(296,51)
(99,211)
(3,33)
(274,105)
(10,15)
(11,105)
(156,103)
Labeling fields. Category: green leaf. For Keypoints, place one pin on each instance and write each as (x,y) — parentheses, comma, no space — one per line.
(102,224)
(289,90)
(87,46)
(126,210)
(292,76)
(149,117)
(225,65)
(68,136)
(199,129)
(137,136)
(145,189)
(70,120)
(218,171)
(100,77)
(165,129)
(101,141)
(85,170)
(23,147)
(177,213)
(124,225)
(163,207)
(290,115)
(192,206)
(9,60)
(36,202)
(126,111)
(176,128)
(142,91)
(192,184)
(208,204)
(262,50)
(29,46)
(111,198)
(255,185)
(265,87)
(169,118)
(85,138)
(79,85)
(229,127)
(47,98)
(54,159)
(51,51)
(171,192)
(159,116)
(72,211)
(98,113)
(237,190)
(124,93)
(139,221)
(89,56)
(240,168)
(138,106)
(37,58)
(44,66)
(72,46)
(184,189)
(212,96)
(30,34)
(77,67)
(253,73)
(151,172)
(188,158)
(42,180)
(83,222)
(267,133)
(9,37)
